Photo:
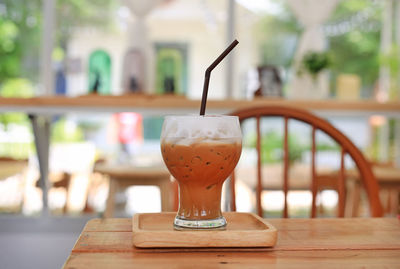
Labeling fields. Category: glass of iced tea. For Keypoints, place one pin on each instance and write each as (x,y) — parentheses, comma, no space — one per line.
(200,152)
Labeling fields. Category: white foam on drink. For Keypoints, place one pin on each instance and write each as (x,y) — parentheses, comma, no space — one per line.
(186,130)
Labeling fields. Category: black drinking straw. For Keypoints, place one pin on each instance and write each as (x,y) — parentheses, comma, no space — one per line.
(208,74)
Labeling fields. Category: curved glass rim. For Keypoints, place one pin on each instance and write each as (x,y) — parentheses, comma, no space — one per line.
(201,117)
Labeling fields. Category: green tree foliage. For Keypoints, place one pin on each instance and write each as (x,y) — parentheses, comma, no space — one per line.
(391,60)
(66,131)
(16,87)
(77,13)
(19,38)
(354,51)
(315,62)
(8,35)
(19,87)
(357,50)
(277,36)
(21,26)
(272,146)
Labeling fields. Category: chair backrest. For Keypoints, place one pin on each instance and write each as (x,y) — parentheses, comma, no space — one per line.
(316,123)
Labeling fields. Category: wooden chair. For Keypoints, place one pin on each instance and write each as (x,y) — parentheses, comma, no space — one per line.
(59,179)
(316,123)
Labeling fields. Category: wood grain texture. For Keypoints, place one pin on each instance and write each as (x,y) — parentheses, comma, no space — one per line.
(293,234)
(135,101)
(302,243)
(155,230)
(347,224)
(232,182)
(270,259)
(108,225)
(342,185)
(259,172)
(314,186)
(286,166)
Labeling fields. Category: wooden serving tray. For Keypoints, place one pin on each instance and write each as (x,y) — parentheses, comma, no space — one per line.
(244,230)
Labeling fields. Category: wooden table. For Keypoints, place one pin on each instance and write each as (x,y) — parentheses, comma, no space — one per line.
(302,243)
(10,167)
(299,176)
(122,176)
(167,104)
(388,178)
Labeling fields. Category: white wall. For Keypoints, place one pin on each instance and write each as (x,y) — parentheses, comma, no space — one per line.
(82,45)
(201,26)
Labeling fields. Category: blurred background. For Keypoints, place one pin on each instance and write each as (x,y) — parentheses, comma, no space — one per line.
(309,49)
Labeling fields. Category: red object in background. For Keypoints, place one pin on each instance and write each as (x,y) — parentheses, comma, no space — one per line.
(130,127)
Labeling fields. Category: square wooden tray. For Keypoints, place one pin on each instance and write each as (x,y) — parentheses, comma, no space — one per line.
(155,230)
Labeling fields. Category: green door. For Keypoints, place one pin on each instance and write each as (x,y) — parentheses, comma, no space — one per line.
(100,72)
(171,72)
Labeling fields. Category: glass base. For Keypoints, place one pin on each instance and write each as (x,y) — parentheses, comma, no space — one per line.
(184,224)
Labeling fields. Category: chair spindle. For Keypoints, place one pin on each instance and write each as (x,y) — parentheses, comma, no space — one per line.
(259,176)
(341,185)
(313,175)
(286,167)
(233,192)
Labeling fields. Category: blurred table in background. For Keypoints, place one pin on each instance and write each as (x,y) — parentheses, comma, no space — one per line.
(124,175)
(388,178)
(10,167)
(299,176)
(11,176)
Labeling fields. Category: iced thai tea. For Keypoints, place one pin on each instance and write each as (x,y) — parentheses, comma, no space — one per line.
(201,160)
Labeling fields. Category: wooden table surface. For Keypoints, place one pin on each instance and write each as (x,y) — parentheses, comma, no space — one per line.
(386,175)
(128,170)
(302,243)
(388,178)
(167,104)
(10,168)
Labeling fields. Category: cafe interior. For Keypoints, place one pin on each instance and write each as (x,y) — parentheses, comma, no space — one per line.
(86,86)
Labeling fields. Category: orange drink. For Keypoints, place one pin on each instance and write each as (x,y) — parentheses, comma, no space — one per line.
(200,152)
